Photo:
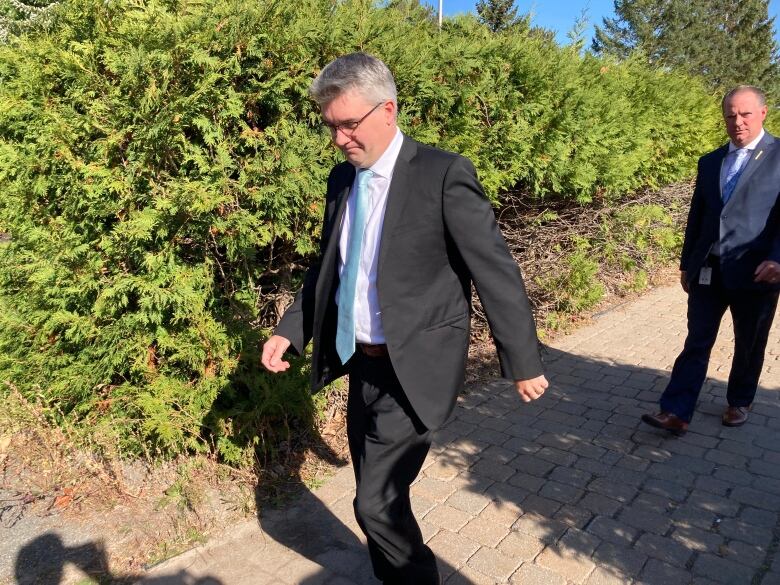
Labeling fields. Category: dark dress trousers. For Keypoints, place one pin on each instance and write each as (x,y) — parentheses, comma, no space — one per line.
(747,229)
(438,237)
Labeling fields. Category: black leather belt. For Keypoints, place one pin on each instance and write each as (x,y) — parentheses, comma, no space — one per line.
(378,350)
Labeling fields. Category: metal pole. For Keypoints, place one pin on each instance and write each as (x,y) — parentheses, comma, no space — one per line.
(441,4)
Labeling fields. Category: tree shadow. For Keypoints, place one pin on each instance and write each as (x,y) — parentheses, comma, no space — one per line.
(574,484)
(43,560)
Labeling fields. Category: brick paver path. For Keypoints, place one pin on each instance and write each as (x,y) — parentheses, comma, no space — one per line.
(572,488)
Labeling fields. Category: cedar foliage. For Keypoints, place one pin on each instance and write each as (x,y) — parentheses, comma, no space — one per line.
(162,172)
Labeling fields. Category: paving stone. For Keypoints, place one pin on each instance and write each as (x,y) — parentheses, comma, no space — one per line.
(498,454)
(617,491)
(656,572)
(627,560)
(575,516)
(697,539)
(732,528)
(612,530)
(442,470)
(755,497)
(574,477)
(521,546)
(599,504)
(750,555)
(667,489)
(671,472)
(664,549)
(758,517)
(606,576)
(530,574)
(574,567)
(468,501)
(501,513)
(528,482)
(655,522)
(493,469)
(494,563)
(447,517)
(542,528)
(468,576)
(723,507)
(541,505)
(452,548)
(530,464)
(713,486)
(432,489)
(722,570)
(561,492)
(484,531)
(576,541)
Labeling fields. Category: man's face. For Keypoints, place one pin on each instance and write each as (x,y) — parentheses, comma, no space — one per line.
(364,144)
(744,116)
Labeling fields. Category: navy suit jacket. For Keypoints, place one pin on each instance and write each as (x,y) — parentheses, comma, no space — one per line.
(747,227)
(439,235)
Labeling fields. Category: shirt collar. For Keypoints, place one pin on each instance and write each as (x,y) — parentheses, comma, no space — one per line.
(384,166)
(751,146)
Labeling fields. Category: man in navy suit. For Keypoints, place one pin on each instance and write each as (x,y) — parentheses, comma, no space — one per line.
(407,230)
(730,259)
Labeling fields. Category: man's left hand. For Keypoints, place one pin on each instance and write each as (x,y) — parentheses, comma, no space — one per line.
(531,389)
(768,271)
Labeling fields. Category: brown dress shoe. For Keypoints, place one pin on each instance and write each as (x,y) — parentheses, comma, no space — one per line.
(667,421)
(735,416)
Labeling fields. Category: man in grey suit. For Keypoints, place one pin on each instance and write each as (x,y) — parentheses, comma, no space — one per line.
(730,259)
(407,229)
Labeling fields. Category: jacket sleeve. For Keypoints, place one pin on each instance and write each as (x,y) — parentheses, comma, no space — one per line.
(695,218)
(471,224)
(297,323)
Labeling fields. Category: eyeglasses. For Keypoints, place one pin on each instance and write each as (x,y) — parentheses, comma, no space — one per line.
(349,127)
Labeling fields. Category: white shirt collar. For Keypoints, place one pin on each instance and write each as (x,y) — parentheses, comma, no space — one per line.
(384,166)
(751,146)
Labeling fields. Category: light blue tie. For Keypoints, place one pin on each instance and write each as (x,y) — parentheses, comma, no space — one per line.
(345,332)
(734,172)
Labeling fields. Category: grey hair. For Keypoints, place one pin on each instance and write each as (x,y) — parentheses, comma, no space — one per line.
(760,95)
(360,72)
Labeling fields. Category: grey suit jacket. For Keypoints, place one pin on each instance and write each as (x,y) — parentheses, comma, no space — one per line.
(747,227)
(439,235)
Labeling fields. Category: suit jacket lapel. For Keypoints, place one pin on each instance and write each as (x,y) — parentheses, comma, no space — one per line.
(397,196)
(757,158)
(330,256)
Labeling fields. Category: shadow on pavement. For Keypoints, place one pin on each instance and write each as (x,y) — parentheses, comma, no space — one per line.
(43,560)
(574,486)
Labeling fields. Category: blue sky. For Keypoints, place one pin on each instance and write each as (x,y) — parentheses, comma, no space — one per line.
(560,15)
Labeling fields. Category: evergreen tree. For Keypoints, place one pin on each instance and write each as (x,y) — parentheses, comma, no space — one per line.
(727,42)
(497,15)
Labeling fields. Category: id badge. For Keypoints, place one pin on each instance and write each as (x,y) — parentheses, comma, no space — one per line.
(705,276)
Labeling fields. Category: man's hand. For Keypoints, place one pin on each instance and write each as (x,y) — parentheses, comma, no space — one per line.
(531,389)
(768,271)
(684,280)
(273,350)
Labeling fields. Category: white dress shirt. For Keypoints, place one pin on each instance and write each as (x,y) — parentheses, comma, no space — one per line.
(368,317)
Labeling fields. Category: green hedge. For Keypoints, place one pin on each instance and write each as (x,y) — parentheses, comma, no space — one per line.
(162,172)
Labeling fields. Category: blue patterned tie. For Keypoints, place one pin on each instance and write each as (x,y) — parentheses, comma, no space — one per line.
(345,332)
(734,172)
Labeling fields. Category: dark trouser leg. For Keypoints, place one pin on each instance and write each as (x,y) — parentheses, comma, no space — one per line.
(388,445)
(752,312)
(706,306)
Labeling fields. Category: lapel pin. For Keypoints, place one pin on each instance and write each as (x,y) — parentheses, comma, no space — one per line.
(760,152)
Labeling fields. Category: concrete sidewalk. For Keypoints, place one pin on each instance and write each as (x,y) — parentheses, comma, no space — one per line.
(572,488)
